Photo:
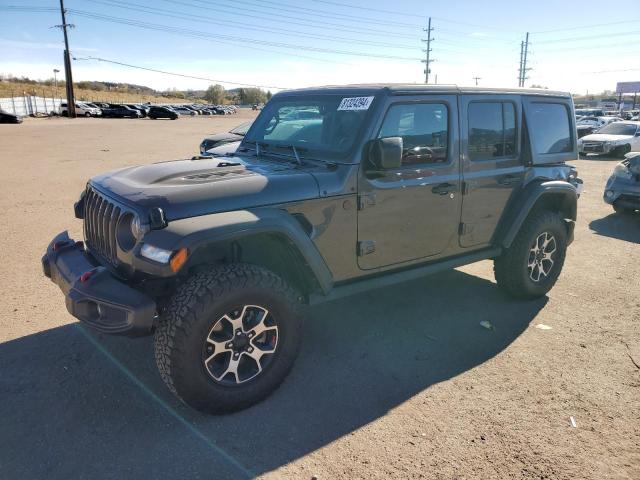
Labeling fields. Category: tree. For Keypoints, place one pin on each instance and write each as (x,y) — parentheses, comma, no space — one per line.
(215,94)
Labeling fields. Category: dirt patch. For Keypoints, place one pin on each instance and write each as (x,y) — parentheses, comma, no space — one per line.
(400,383)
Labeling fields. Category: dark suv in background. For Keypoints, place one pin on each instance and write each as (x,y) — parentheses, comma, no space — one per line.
(156,112)
(332,192)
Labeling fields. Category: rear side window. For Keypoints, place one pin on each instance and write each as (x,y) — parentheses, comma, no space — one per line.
(492,130)
(424,130)
(549,127)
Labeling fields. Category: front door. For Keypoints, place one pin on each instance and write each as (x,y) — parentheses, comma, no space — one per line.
(492,166)
(412,212)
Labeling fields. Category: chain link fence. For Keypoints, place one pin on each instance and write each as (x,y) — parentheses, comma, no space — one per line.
(26,105)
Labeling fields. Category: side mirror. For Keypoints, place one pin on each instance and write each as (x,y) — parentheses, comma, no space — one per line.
(386,153)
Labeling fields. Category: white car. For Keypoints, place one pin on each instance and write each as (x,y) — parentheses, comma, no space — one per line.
(597,122)
(617,138)
(82,109)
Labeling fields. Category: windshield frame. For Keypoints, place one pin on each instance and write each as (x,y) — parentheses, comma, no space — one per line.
(307,151)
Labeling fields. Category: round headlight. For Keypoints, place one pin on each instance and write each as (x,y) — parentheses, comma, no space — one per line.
(124,232)
(137,228)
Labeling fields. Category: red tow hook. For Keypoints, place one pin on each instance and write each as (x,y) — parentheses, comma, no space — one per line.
(58,245)
(87,275)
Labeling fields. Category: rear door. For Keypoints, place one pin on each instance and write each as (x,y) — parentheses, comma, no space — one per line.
(412,212)
(492,165)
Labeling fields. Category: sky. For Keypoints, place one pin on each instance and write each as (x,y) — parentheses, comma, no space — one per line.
(574,45)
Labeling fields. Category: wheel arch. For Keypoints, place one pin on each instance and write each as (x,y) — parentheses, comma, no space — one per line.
(267,237)
(556,196)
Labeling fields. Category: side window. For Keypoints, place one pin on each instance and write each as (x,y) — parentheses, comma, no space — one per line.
(492,130)
(549,127)
(424,128)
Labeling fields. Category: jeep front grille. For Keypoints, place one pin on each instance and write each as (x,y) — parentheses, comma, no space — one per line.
(101,217)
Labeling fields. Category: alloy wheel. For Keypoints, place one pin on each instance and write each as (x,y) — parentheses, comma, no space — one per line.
(240,345)
(540,262)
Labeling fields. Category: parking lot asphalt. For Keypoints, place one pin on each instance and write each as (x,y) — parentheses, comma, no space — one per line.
(401,382)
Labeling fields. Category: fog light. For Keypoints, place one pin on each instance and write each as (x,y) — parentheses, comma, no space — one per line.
(609,193)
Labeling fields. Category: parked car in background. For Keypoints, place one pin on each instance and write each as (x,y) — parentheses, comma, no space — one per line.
(585,129)
(120,111)
(82,109)
(234,135)
(597,122)
(6,117)
(617,139)
(623,187)
(156,112)
(183,111)
(143,110)
(589,112)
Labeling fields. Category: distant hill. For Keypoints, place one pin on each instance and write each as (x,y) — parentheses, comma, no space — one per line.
(94,91)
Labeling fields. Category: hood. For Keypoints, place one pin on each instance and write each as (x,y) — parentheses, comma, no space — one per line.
(605,137)
(189,188)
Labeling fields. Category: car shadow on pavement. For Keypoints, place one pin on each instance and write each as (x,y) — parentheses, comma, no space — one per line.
(619,226)
(76,404)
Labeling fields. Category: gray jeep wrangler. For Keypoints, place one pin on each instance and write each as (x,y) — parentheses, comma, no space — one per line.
(333,191)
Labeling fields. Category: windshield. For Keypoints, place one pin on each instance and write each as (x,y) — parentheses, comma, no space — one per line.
(241,129)
(326,124)
(619,129)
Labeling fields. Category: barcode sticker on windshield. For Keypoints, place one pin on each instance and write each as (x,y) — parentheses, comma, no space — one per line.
(355,103)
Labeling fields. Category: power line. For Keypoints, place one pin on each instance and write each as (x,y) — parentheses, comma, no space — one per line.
(181,74)
(311,23)
(590,37)
(273,12)
(315,12)
(186,16)
(229,38)
(595,25)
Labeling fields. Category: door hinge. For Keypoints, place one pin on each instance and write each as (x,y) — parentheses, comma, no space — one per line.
(365,247)
(464,188)
(366,200)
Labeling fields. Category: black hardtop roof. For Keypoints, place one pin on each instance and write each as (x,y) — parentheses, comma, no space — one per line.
(416,89)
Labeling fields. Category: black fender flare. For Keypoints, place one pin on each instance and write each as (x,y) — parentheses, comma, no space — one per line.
(200,232)
(526,201)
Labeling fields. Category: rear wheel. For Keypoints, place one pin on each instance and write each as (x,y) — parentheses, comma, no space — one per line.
(87,114)
(228,338)
(531,265)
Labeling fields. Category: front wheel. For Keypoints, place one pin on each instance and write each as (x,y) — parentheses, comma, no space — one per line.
(228,338)
(622,210)
(621,151)
(530,267)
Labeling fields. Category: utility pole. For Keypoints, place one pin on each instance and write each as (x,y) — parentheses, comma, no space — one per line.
(476,79)
(524,60)
(427,51)
(520,81)
(71,101)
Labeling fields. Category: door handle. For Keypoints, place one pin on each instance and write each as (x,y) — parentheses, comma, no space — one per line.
(508,179)
(444,188)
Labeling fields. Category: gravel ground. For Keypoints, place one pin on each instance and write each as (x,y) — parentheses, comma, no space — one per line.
(399,383)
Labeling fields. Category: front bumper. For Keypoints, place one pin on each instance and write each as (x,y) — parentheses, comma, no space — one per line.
(622,192)
(98,299)
(596,147)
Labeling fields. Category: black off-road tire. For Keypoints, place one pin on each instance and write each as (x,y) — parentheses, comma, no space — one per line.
(622,150)
(196,306)
(510,269)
